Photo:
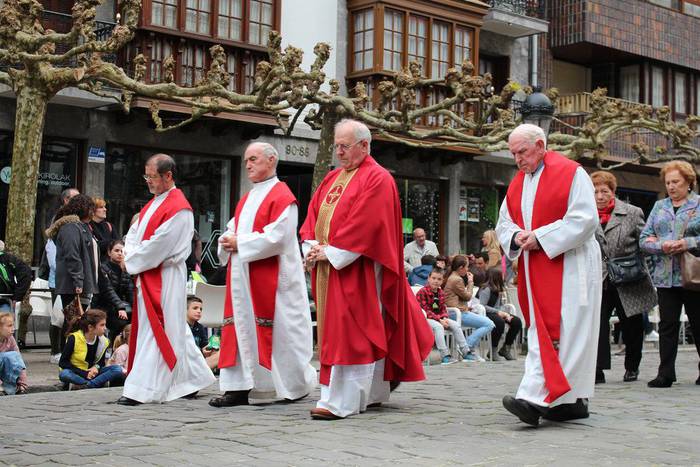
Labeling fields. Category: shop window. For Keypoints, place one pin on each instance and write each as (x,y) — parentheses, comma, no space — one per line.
(164,13)
(420,204)
(230,24)
(363,40)
(418,41)
(261,21)
(205,180)
(393,40)
(478,212)
(58,170)
(197,16)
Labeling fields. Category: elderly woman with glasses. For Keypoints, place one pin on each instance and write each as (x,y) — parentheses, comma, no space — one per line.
(618,236)
(673,227)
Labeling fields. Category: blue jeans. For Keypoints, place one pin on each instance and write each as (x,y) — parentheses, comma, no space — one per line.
(11,366)
(481,324)
(106,375)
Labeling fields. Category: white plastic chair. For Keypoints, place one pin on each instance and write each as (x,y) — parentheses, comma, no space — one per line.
(213,297)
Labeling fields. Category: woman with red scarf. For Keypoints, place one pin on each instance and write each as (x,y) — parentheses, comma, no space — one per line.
(618,235)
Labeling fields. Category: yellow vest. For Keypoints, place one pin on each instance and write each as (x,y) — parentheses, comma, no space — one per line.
(78,359)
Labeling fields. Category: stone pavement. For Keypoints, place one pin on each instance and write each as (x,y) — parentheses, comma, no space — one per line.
(453,418)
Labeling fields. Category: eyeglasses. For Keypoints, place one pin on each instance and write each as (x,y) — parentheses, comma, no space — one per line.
(151,177)
(345,147)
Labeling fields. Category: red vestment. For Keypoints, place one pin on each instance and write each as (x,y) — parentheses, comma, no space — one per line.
(551,204)
(152,281)
(367,220)
(264,271)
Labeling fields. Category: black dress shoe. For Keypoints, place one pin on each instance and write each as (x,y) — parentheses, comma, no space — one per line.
(566,412)
(123,400)
(660,382)
(524,410)
(697,381)
(230,399)
(393,385)
(599,376)
(191,396)
(630,375)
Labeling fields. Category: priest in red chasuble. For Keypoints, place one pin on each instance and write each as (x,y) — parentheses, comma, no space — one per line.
(164,362)
(266,339)
(371,331)
(548,220)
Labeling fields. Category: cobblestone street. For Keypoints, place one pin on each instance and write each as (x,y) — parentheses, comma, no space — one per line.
(453,418)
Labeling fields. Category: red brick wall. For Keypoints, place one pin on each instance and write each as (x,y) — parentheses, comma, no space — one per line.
(633,26)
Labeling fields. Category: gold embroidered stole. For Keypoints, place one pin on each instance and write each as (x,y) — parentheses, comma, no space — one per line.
(322,228)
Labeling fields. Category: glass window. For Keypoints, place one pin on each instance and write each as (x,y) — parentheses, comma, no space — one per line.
(230,20)
(435,96)
(478,212)
(418,41)
(691,7)
(463,45)
(674,4)
(363,40)
(160,50)
(680,89)
(197,16)
(420,205)
(393,40)
(249,78)
(441,49)
(261,21)
(629,83)
(232,69)
(192,69)
(164,13)
(657,86)
(205,180)
(58,169)
(697,95)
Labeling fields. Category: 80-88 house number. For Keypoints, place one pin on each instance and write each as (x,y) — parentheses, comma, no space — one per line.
(300,151)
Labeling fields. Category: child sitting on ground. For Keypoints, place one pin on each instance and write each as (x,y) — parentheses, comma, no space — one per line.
(199,332)
(120,356)
(83,358)
(13,374)
(432,300)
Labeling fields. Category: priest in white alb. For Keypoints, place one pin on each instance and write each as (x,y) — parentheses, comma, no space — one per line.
(164,362)
(548,220)
(266,341)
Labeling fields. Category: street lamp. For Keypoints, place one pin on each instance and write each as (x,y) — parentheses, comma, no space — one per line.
(538,109)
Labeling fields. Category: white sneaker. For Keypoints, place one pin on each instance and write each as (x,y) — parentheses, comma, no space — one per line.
(653,336)
(55,358)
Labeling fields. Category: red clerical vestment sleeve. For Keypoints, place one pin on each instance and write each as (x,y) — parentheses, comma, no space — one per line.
(365,218)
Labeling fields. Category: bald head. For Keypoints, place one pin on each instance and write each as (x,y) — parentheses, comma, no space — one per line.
(419,237)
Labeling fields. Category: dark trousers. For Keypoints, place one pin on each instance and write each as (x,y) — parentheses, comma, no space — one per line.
(514,327)
(632,329)
(671,300)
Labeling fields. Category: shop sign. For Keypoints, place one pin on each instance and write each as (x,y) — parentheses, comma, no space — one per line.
(54,179)
(463,211)
(96,154)
(407,223)
(473,209)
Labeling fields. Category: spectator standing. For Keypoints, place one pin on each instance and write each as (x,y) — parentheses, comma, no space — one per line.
(490,295)
(432,300)
(13,373)
(492,248)
(459,290)
(103,230)
(672,228)
(419,275)
(618,236)
(83,358)
(123,286)
(415,250)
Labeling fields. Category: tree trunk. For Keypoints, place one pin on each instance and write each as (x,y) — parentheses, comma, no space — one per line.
(324,158)
(26,153)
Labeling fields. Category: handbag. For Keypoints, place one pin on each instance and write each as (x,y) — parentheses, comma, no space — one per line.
(73,311)
(690,264)
(625,269)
